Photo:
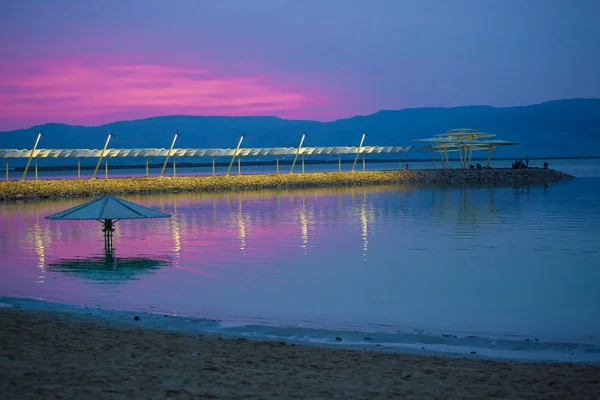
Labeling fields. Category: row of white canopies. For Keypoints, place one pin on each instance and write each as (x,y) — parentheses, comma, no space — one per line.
(243,152)
(463,141)
(106,153)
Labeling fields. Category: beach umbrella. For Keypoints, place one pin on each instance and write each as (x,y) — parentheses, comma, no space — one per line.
(108,210)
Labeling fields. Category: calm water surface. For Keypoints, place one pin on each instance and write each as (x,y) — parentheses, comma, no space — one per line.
(413,266)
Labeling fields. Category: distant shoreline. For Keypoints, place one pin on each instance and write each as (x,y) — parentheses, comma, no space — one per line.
(184,164)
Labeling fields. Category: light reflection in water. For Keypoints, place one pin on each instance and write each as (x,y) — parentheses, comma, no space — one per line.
(241,225)
(478,256)
(175,233)
(364,224)
(40,249)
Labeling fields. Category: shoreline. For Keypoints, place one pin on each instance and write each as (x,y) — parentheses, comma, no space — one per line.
(44,189)
(57,353)
(508,348)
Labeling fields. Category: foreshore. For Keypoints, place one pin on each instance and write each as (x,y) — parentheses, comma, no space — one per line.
(50,354)
(41,189)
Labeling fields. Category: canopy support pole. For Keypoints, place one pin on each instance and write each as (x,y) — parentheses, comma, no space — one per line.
(108,229)
(101,155)
(277,164)
(162,171)
(364,163)
(174,166)
(441,151)
(213,165)
(359,150)
(470,155)
(447,160)
(146,166)
(78,168)
(31,155)
(36,169)
(235,153)
(489,159)
(339,163)
(106,168)
(297,152)
(433,158)
(302,162)
(239,166)
(7,169)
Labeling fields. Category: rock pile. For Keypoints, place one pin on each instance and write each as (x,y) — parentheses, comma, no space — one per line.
(15,190)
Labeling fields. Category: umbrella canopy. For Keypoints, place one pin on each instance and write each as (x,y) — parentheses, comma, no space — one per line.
(108,208)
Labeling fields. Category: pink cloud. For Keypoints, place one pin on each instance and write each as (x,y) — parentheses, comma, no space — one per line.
(92,91)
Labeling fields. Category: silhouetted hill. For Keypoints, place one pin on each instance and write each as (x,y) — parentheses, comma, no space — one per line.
(555,128)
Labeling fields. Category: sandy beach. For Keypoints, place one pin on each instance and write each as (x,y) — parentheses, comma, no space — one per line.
(46,354)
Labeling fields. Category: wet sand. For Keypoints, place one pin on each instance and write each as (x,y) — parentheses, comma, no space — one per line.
(46,354)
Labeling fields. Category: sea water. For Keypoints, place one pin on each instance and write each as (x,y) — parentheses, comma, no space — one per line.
(501,271)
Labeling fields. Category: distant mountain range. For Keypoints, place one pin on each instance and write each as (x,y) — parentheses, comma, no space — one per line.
(555,128)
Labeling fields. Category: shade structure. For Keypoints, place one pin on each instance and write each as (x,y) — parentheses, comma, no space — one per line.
(108,208)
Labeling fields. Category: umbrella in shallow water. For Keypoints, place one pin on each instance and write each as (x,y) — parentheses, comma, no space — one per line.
(108,210)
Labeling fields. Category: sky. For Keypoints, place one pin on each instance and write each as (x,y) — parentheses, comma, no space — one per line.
(91,62)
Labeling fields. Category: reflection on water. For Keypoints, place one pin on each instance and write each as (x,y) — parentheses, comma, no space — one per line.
(505,260)
(108,268)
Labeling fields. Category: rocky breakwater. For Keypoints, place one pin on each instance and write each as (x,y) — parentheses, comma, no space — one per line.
(21,190)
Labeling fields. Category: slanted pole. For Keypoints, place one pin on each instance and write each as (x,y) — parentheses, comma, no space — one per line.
(235,153)
(358,151)
(102,155)
(162,171)
(31,154)
(297,152)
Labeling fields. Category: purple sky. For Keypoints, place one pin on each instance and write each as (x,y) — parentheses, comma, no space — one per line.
(92,62)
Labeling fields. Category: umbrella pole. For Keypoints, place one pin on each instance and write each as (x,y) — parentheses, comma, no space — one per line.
(108,229)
